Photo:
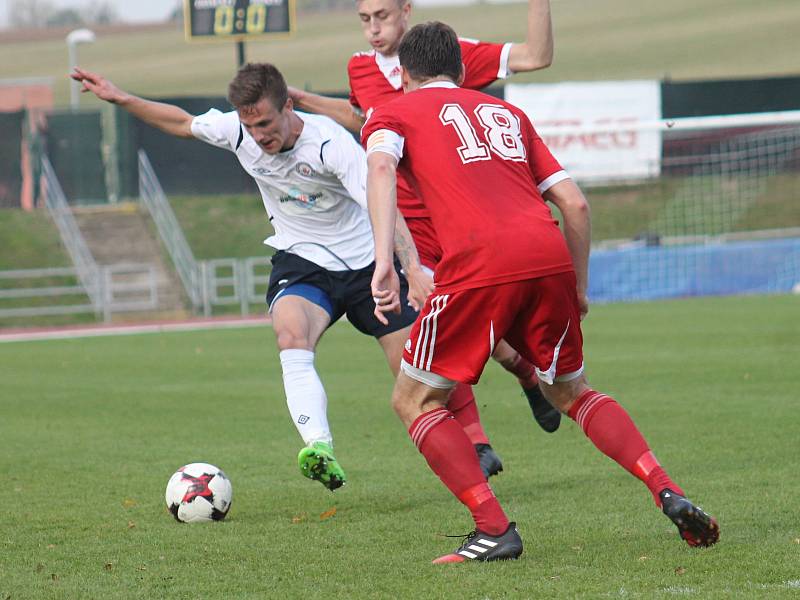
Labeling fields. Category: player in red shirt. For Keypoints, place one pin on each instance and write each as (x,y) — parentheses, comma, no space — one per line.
(374,80)
(507,272)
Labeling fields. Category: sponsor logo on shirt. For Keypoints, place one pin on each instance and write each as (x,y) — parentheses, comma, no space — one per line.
(262,170)
(304,169)
(298,197)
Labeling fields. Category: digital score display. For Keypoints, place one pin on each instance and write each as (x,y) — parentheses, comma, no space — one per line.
(237,19)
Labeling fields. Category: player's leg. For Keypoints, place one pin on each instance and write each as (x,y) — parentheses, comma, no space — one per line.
(554,339)
(301,311)
(462,399)
(613,432)
(451,341)
(546,415)
(465,409)
(461,403)
(450,454)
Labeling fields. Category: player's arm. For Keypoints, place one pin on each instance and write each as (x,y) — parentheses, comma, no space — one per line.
(569,199)
(382,203)
(166,117)
(420,284)
(536,52)
(338,109)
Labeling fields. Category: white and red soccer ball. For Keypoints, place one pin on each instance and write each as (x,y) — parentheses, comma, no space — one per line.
(199,492)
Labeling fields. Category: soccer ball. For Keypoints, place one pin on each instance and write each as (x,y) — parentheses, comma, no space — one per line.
(199,492)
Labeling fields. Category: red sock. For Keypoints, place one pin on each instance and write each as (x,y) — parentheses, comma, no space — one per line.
(450,455)
(524,371)
(462,404)
(612,430)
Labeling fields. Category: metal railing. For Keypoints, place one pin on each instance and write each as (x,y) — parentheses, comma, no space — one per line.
(85,265)
(230,281)
(158,206)
(120,288)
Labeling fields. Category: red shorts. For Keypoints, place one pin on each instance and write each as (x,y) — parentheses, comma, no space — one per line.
(455,334)
(424,235)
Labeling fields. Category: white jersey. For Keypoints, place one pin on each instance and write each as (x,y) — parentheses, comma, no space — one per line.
(315,193)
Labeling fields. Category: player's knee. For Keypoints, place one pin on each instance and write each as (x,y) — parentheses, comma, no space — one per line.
(288,339)
(562,394)
(404,407)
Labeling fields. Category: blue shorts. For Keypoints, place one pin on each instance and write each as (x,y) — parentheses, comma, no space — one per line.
(337,292)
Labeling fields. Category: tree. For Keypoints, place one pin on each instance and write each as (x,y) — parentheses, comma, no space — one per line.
(66,17)
(30,13)
(101,12)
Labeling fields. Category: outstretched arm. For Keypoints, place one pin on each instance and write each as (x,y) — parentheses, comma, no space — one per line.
(166,117)
(536,52)
(577,230)
(338,109)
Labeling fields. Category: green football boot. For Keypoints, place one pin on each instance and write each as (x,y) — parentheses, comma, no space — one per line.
(318,462)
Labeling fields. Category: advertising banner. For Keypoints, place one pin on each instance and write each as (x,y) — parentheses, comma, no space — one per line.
(584,125)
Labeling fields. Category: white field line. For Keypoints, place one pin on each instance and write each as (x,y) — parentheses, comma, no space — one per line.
(134,329)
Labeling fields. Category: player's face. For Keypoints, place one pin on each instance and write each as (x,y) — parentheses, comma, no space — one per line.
(268,126)
(384,23)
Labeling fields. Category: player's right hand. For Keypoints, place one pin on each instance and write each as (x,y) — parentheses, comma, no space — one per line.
(98,85)
(385,291)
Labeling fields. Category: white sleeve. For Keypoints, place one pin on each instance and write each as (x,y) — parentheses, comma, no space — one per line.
(346,159)
(555,178)
(388,141)
(504,72)
(217,128)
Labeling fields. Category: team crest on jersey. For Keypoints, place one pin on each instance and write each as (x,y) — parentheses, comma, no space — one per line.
(304,169)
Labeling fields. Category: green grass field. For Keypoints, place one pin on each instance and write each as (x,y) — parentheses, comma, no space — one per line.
(91,430)
(602,39)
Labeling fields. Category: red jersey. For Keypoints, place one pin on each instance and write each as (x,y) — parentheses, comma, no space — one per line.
(481,168)
(375,80)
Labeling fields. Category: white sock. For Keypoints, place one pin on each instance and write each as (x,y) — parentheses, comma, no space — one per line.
(305,396)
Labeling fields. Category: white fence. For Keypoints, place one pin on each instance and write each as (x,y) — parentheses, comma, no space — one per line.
(59,291)
(235,281)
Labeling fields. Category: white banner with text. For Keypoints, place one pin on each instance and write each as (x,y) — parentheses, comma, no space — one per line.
(584,125)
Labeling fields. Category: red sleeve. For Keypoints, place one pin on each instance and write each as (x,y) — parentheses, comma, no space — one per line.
(381,118)
(352,98)
(542,163)
(481,63)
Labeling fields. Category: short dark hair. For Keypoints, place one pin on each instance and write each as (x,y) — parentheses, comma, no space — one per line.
(431,50)
(255,81)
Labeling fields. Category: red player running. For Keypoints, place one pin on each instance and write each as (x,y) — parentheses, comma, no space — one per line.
(507,272)
(375,80)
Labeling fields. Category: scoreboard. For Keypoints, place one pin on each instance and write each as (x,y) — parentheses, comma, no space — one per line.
(236,19)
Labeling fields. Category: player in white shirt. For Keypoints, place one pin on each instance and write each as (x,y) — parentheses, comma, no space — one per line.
(312,178)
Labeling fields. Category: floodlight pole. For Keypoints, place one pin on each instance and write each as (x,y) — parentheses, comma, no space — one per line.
(240,54)
(78,36)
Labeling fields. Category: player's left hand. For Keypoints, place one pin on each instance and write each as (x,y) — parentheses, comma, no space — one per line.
(296,94)
(583,303)
(385,291)
(420,286)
